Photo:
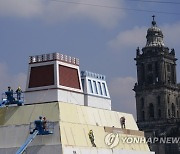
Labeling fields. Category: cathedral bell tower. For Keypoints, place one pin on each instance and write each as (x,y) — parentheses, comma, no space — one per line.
(157,91)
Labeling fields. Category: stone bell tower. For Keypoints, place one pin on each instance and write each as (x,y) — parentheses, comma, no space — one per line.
(157,91)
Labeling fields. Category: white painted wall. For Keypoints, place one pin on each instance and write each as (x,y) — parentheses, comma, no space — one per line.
(87,89)
(98,102)
(96,91)
(70,97)
(54,95)
(41,96)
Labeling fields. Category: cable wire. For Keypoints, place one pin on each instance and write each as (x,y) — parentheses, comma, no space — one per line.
(115,7)
(153,1)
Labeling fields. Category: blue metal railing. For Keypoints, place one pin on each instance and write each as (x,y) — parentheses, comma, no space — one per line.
(9,98)
(4,97)
(48,127)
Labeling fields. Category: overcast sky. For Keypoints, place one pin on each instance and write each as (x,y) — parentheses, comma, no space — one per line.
(103,34)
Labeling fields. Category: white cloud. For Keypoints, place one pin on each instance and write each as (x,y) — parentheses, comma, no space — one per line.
(7,79)
(129,38)
(20,8)
(122,94)
(137,37)
(171,34)
(52,10)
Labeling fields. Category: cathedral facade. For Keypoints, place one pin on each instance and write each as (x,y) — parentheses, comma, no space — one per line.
(157,92)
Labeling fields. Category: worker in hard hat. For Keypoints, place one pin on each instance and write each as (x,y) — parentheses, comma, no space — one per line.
(19,92)
(44,124)
(91,137)
(9,95)
(123,121)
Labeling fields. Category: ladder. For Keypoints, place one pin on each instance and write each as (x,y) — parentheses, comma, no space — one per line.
(27,142)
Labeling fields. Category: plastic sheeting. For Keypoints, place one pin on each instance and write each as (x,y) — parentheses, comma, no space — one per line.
(92,116)
(15,115)
(73,123)
(77,135)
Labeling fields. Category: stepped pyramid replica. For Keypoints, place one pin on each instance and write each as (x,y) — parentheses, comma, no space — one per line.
(79,107)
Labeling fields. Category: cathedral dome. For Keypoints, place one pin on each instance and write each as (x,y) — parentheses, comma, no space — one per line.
(154,36)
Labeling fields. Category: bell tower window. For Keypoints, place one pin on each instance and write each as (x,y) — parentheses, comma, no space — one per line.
(143,116)
(151,110)
(173,110)
(150,79)
(159,113)
(169,114)
(142,103)
(143,72)
(149,67)
(159,101)
(168,67)
(177,102)
(177,114)
(169,79)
